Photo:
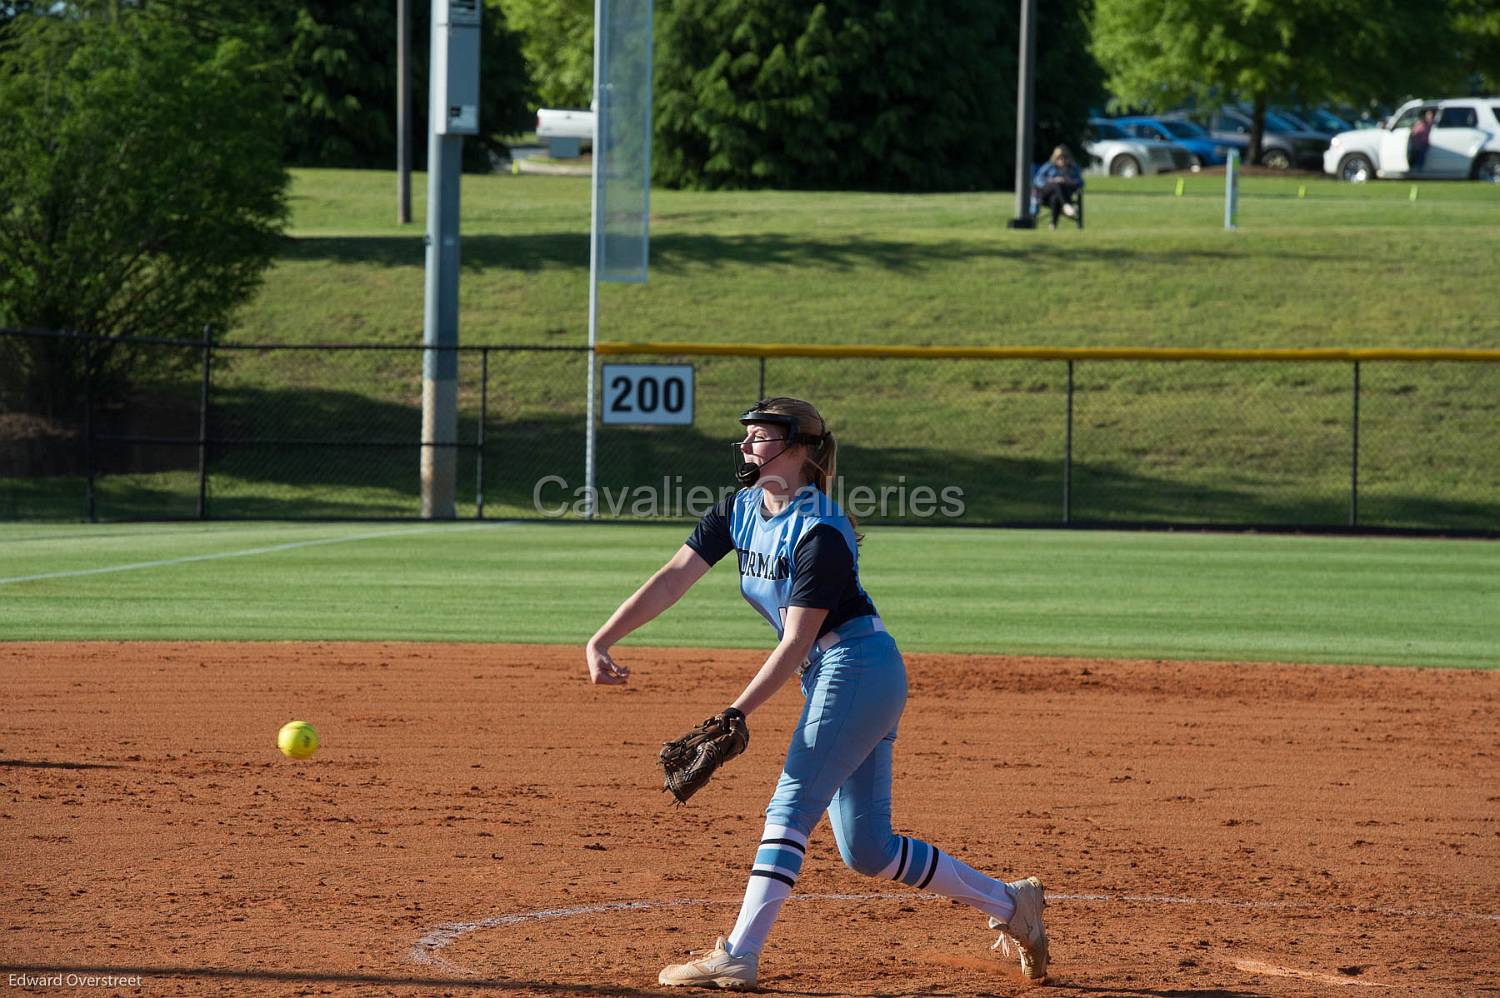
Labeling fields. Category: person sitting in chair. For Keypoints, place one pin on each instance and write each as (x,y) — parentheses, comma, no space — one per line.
(1055,183)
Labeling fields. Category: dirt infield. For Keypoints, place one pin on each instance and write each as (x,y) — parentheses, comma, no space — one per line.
(481,819)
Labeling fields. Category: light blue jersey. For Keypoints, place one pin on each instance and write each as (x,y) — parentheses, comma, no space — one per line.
(805,555)
(767,547)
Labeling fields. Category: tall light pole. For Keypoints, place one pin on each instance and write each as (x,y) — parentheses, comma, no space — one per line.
(1025,116)
(403,113)
(452,113)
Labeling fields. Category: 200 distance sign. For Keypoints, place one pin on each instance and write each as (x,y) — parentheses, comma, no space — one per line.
(648,393)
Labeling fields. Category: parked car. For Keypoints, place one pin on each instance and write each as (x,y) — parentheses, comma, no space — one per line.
(565,130)
(1316,119)
(1282,144)
(1464,144)
(1301,123)
(1207,150)
(1122,155)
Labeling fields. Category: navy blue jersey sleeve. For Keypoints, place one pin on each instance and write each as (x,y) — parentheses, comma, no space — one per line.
(711,538)
(825,569)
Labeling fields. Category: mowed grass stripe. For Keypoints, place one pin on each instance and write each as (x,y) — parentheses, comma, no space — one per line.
(217,555)
(1395,601)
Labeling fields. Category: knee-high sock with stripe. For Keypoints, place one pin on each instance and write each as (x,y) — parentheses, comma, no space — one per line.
(927,868)
(778,860)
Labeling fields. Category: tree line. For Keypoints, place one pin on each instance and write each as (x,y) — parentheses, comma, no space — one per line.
(1160,54)
(880,94)
(147,141)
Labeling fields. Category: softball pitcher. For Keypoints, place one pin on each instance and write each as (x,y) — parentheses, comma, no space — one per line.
(798,559)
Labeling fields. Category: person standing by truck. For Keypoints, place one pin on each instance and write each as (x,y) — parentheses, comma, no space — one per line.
(1421,138)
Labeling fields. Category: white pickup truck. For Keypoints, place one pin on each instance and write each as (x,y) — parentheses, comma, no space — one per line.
(565,131)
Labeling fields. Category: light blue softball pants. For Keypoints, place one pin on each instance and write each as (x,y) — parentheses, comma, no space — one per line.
(840,756)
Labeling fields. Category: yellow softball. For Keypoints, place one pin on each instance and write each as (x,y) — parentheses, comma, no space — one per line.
(297,740)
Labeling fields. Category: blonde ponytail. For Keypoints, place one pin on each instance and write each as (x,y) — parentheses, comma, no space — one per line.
(822,469)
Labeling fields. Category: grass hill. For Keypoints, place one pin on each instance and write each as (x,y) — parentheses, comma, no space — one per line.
(1314,263)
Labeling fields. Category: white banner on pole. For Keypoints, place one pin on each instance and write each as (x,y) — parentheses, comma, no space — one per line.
(621,198)
(622,139)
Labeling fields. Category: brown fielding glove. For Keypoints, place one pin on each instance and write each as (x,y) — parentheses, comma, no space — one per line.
(690,760)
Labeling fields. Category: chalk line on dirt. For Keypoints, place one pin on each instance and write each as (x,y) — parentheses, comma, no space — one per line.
(244,553)
(1276,970)
(428,949)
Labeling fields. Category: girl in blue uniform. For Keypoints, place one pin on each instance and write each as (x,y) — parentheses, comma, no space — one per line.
(798,559)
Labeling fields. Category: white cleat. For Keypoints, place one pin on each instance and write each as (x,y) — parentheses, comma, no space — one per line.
(1025,935)
(713,969)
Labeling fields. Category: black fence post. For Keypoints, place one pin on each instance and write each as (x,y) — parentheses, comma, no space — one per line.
(1067,497)
(1354,452)
(484,402)
(90,509)
(208,347)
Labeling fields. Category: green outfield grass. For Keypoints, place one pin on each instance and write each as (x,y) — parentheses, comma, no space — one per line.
(1103,594)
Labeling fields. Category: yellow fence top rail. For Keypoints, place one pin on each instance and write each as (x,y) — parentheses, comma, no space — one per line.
(1037,353)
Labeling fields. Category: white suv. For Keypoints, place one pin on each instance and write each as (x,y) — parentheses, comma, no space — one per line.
(1465,143)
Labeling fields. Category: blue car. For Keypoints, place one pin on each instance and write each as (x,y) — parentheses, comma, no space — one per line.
(1208,151)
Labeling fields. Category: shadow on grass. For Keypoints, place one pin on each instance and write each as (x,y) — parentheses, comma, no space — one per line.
(270,468)
(673,253)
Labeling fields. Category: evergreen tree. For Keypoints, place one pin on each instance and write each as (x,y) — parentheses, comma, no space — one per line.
(891,95)
(341,98)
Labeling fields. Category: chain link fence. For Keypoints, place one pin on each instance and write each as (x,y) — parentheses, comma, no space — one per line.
(262,431)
